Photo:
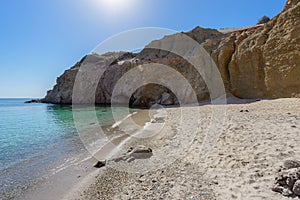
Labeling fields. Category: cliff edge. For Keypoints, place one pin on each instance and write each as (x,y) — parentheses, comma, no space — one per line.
(262,61)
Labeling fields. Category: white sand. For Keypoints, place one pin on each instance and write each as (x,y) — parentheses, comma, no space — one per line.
(240,165)
(252,148)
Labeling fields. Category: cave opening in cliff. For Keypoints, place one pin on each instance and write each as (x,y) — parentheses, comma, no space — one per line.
(150,94)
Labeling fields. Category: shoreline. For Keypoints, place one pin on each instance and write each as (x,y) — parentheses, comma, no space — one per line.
(65,181)
(259,136)
(58,183)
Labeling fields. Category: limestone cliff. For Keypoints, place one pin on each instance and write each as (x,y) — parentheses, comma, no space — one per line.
(262,61)
(109,63)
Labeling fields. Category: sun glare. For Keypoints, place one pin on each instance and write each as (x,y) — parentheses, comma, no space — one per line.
(113,10)
(116,5)
(116,2)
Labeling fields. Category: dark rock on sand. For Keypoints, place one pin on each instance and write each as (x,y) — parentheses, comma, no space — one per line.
(244,110)
(100,164)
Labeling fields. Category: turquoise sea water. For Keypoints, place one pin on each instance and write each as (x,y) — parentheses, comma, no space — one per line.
(35,139)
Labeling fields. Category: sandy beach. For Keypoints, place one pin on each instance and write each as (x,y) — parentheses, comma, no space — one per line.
(140,100)
(257,138)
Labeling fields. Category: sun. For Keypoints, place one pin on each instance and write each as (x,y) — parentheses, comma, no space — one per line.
(116,4)
(116,8)
(115,13)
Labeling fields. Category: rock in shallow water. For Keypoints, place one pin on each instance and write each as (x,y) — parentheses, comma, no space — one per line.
(34,101)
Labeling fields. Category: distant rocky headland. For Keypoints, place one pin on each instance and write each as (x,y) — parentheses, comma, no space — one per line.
(261,61)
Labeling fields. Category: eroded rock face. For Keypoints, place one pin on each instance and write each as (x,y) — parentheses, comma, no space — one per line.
(281,54)
(262,61)
(290,4)
(110,64)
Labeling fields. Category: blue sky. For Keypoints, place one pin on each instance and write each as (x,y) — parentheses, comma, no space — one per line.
(41,38)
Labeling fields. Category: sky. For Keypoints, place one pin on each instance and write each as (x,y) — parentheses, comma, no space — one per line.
(39,39)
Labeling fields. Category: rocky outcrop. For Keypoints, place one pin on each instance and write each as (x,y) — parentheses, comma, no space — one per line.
(290,4)
(33,101)
(263,61)
(255,62)
(109,63)
(287,181)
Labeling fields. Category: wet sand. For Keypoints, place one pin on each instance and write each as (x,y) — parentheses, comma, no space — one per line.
(70,179)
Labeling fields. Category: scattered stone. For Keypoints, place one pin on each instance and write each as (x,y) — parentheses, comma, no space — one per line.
(142,179)
(287,192)
(100,164)
(289,164)
(244,110)
(139,152)
(277,188)
(215,182)
(130,149)
(158,120)
(287,181)
(296,188)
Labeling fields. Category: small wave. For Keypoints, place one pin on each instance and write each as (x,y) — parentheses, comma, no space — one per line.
(118,123)
(69,163)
